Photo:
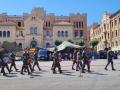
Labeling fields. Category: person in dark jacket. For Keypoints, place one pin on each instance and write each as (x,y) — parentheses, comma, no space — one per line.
(56,61)
(110,56)
(13,62)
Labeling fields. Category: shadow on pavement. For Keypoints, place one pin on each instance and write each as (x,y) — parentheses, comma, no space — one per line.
(11,76)
(97,73)
(67,71)
(34,75)
(68,74)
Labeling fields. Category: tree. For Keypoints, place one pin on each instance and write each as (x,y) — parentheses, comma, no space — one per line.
(57,42)
(70,41)
(9,45)
(94,42)
(81,42)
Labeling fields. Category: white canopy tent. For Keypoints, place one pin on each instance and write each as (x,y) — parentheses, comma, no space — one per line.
(64,45)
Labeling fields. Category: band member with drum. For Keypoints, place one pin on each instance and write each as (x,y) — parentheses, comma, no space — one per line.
(56,61)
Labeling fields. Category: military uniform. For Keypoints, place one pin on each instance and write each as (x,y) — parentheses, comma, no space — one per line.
(13,62)
(25,63)
(36,62)
(74,59)
(79,61)
(86,60)
(56,62)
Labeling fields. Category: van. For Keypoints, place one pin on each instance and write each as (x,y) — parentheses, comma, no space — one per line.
(43,54)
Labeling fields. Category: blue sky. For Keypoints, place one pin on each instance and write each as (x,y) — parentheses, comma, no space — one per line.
(93,8)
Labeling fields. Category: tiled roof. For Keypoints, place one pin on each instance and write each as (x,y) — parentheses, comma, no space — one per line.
(7,22)
(115,14)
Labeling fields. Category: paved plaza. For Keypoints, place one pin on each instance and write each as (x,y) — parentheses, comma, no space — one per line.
(98,79)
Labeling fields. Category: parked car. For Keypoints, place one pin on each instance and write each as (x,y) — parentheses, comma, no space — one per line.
(43,54)
(103,54)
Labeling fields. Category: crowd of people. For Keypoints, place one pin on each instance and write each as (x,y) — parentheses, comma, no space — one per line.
(80,59)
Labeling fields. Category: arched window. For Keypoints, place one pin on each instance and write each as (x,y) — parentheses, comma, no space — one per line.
(62,33)
(0,33)
(19,24)
(47,45)
(116,33)
(4,33)
(8,33)
(116,43)
(20,45)
(66,33)
(58,33)
(108,35)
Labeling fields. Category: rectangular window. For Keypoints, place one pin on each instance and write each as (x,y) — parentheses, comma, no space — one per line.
(76,33)
(74,25)
(21,33)
(82,25)
(112,24)
(47,33)
(115,22)
(33,30)
(81,33)
(79,24)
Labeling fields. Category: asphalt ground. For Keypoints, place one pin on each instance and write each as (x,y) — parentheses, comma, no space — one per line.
(98,79)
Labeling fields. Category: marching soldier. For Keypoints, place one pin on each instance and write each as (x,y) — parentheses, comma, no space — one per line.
(2,61)
(13,62)
(74,59)
(56,62)
(30,60)
(86,59)
(25,63)
(36,62)
(110,59)
(79,60)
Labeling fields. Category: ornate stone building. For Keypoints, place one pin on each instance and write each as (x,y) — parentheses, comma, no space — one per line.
(38,29)
(115,30)
(107,32)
